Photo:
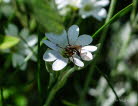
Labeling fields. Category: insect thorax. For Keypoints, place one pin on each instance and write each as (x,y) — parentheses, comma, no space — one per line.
(70,50)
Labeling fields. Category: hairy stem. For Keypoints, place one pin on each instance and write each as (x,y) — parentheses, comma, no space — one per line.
(58,85)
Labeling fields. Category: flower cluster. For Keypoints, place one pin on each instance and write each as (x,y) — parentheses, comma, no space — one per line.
(68,47)
(21,50)
(86,8)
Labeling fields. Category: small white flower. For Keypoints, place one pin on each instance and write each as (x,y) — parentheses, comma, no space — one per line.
(64,5)
(21,50)
(74,3)
(93,8)
(6,1)
(61,3)
(68,47)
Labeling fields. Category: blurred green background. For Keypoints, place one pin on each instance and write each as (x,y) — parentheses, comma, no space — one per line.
(23,24)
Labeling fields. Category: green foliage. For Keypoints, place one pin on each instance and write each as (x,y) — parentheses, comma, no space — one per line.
(47,16)
(68,103)
(7,42)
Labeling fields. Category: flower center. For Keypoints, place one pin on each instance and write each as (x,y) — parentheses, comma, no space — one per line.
(88,7)
(70,50)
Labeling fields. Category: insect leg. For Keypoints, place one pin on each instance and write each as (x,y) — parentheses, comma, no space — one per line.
(68,40)
(73,59)
(59,46)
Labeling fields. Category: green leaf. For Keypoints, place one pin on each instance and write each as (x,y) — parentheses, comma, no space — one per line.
(8,41)
(66,103)
(47,16)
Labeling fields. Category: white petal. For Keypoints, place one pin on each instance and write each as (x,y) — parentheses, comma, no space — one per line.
(102,13)
(77,61)
(17,59)
(99,13)
(61,39)
(51,45)
(50,55)
(23,67)
(84,40)
(24,33)
(102,3)
(12,30)
(89,48)
(59,64)
(61,3)
(73,33)
(32,40)
(84,14)
(87,56)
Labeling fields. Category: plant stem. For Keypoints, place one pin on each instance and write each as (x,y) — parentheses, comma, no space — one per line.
(91,70)
(109,15)
(111,10)
(116,16)
(2,98)
(72,19)
(133,13)
(109,83)
(58,85)
(38,67)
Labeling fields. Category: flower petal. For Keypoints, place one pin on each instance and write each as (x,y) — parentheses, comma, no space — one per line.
(51,45)
(50,55)
(84,40)
(59,64)
(61,3)
(89,48)
(73,33)
(102,3)
(99,13)
(61,39)
(102,13)
(77,61)
(17,59)
(32,40)
(87,56)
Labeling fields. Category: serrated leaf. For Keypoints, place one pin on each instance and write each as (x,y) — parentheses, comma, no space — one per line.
(8,41)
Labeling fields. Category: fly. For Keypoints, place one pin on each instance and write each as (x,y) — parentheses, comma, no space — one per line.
(70,50)
(73,49)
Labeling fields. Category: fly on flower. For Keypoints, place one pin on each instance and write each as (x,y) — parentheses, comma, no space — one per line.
(73,49)
(68,47)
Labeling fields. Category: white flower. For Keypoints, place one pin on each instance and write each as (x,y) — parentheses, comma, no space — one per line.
(93,8)
(64,5)
(74,3)
(6,1)
(61,3)
(21,50)
(68,47)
